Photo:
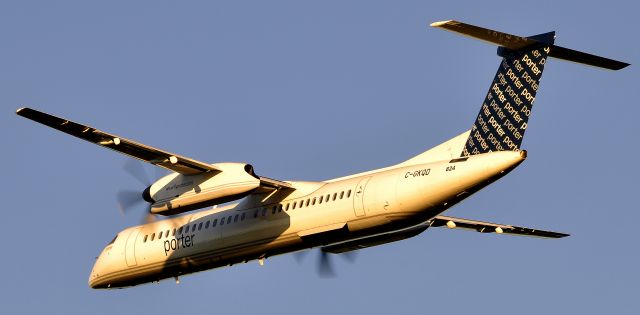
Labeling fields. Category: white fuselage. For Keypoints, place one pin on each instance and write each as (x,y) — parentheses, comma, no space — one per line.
(314,214)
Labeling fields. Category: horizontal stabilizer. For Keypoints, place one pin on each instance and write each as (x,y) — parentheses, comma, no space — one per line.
(487,227)
(514,42)
(585,58)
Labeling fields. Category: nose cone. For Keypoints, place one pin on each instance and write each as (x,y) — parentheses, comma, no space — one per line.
(97,275)
(146,195)
(94,277)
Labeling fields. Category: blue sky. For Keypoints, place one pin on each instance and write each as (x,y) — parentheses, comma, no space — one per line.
(315,90)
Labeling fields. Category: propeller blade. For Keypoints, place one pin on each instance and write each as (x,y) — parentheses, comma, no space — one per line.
(149,217)
(350,256)
(128,199)
(300,255)
(136,169)
(160,172)
(325,266)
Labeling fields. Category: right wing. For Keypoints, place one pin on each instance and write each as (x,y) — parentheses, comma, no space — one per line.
(487,227)
(168,160)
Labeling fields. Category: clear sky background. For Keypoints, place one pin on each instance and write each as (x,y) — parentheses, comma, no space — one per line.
(310,91)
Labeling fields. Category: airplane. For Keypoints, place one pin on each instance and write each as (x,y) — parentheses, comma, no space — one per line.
(341,215)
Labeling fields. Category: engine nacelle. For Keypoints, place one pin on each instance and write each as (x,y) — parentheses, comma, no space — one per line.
(176,193)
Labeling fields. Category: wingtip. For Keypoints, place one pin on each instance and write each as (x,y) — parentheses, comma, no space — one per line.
(623,65)
(21,109)
(440,23)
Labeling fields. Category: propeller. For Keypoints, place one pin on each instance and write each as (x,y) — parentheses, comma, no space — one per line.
(130,199)
(136,169)
(325,265)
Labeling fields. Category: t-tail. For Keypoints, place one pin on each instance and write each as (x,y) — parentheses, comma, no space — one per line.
(504,114)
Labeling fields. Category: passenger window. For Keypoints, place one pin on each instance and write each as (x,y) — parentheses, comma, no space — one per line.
(153,236)
(229,219)
(221,221)
(273,210)
(180,230)
(166,234)
(236,218)
(294,205)
(174,232)
(286,207)
(341,194)
(320,201)
(334,196)
(307,203)
(145,238)
(206,226)
(313,202)
(327,199)
(349,193)
(186,230)
(160,235)
(215,221)
(200,226)
(280,208)
(242,217)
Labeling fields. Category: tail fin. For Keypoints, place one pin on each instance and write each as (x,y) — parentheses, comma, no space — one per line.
(503,118)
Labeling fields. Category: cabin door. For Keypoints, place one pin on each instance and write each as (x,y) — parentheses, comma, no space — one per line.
(358,197)
(130,249)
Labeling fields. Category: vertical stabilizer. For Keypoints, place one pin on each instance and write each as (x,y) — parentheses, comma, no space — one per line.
(505,112)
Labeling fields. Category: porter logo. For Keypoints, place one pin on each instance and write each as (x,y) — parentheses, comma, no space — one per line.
(504,114)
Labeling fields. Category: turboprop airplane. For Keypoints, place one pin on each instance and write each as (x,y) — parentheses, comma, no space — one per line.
(339,215)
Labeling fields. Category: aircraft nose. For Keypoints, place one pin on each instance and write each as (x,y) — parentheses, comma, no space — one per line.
(96,281)
(96,277)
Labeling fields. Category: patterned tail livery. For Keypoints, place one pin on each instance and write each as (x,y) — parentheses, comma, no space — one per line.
(504,114)
(503,117)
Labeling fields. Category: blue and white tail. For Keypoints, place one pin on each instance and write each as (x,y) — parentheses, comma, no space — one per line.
(504,114)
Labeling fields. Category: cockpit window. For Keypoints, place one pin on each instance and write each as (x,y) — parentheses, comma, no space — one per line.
(113,240)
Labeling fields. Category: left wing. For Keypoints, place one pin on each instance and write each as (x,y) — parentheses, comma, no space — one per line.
(168,160)
(487,227)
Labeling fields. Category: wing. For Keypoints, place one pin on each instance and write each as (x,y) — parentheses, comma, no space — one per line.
(168,160)
(487,227)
